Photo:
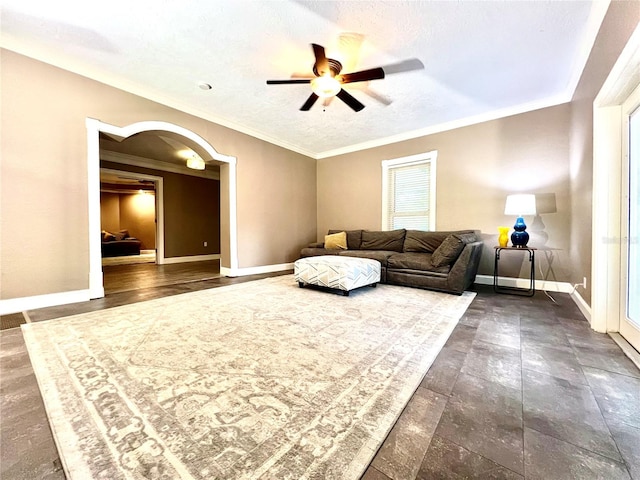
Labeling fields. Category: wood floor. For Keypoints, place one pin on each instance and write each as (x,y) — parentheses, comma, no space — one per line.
(522,389)
(123,278)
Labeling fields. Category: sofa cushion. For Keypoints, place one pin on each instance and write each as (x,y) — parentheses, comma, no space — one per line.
(448,251)
(425,242)
(107,236)
(129,246)
(314,252)
(354,238)
(337,241)
(380,255)
(428,242)
(415,262)
(383,240)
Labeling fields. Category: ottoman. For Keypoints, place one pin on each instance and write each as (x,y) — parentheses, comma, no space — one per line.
(337,272)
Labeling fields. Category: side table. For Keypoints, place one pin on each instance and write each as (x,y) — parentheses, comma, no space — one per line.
(527,292)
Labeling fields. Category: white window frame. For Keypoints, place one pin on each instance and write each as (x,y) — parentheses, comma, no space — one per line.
(428,157)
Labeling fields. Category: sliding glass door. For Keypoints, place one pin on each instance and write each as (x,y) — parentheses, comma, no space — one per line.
(630,314)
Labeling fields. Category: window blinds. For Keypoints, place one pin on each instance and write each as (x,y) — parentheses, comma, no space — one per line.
(409,196)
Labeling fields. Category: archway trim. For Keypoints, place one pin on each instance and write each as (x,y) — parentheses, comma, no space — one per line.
(94,127)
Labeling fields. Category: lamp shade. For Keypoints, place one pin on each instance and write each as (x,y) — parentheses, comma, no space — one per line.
(520,204)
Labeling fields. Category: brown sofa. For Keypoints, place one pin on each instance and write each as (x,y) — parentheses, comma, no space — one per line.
(119,244)
(444,261)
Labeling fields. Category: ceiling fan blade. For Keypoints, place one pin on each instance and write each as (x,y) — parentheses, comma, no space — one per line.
(363,75)
(404,66)
(287,82)
(350,100)
(349,46)
(308,75)
(321,65)
(309,103)
(383,99)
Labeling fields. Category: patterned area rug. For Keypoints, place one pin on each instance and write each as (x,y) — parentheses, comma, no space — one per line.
(256,380)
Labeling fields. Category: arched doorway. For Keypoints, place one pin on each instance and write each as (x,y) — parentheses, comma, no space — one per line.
(229,256)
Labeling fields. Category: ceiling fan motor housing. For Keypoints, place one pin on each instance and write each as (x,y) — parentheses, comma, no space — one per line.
(334,66)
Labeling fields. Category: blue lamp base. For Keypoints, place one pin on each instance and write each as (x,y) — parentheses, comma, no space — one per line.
(520,238)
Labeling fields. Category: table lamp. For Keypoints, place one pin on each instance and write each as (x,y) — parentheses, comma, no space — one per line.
(520,204)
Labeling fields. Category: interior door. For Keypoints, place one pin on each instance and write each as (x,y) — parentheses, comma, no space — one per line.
(630,291)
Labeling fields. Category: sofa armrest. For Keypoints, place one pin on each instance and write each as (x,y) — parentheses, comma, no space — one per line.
(463,271)
(316,245)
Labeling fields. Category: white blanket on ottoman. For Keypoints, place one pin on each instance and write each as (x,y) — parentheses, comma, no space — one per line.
(337,272)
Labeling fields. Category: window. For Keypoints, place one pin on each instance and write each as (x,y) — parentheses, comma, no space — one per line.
(409,192)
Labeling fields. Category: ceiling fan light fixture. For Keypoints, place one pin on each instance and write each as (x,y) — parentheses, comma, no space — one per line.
(325,86)
(195,162)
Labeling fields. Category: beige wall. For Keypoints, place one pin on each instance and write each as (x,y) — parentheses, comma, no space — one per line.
(138,216)
(44,247)
(191,215)
(132,212)
(621,19)
(477,167)
(109,211)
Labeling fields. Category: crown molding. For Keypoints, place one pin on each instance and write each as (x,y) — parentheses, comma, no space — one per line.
(444,127)
(599,10)
(60,61)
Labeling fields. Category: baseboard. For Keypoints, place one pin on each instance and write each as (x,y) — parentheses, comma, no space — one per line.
(584,307)
(191,258)
(514,282)
(241,272)
(16,305)
(541,285)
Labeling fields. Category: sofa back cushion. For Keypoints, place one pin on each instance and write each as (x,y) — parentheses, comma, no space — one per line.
(378,240)
(354,238)
(450,248)
(427,242)
(467,237)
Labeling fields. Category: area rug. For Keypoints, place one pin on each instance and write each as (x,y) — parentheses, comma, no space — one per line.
(256,380)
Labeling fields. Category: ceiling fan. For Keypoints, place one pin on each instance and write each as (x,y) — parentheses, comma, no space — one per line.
(328,80)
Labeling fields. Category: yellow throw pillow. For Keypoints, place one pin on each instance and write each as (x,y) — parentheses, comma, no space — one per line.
(336,241)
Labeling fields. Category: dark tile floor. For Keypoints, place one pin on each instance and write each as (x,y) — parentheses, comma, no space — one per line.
(522,389)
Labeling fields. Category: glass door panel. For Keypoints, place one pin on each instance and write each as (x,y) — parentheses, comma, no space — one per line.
(633,280)
(630,317)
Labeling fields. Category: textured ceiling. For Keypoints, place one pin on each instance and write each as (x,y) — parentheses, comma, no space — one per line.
(482,59)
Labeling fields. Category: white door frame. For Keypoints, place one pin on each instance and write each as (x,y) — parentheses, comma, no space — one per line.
(608,167)
(94,127)
(629,330)
(159,205)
